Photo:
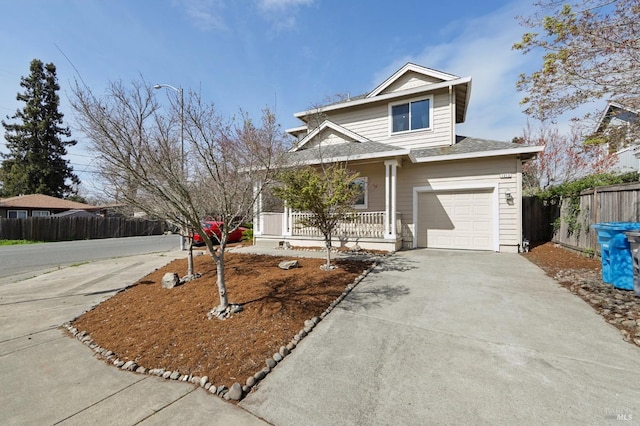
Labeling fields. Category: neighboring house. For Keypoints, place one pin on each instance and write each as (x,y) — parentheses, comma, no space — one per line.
(619,121)
(424,185)
(35,205)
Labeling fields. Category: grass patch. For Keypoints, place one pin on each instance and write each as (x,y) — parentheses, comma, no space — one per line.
(17,242)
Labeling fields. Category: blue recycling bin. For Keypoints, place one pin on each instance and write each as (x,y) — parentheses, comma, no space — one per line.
(615,253)
(634,242)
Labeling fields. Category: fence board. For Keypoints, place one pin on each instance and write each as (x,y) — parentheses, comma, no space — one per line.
(537,219)
(615,203)
(77,228)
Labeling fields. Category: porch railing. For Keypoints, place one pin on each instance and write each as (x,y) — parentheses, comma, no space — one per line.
(362,225)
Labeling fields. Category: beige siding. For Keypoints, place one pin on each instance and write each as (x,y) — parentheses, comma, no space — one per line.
(374,172)
(410,80)
(372,122)
(461,173)
(328,137)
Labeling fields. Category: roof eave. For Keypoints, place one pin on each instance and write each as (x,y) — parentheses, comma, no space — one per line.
(357,157)
(480,154)
(387,96)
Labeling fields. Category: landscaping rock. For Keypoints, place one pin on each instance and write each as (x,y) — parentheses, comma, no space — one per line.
(235,393)
(221,390)
(284,351)
(170,280)
(277,357)
(288,264)
(260,375)
(270,362)
(204,380)
(175,375)
(251,381)
(130,366)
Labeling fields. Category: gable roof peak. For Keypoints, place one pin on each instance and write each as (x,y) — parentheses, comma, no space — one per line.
(411,67)
(330,125)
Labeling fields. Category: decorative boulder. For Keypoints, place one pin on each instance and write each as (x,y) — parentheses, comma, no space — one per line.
(288,264)
(170,280)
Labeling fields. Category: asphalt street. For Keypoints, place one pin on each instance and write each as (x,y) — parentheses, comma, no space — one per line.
(29,260)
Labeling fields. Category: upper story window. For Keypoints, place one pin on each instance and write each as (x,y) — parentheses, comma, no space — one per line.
(410,116)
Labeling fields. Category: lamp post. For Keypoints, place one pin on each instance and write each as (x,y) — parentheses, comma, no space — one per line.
(180,91)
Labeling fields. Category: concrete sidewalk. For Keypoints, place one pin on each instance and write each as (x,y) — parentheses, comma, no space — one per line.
(49,378)
(444,337)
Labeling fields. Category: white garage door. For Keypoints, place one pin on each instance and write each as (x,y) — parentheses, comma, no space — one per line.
(456,220)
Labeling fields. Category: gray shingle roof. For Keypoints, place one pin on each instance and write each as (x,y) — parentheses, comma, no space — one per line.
(466,145)
(343,150)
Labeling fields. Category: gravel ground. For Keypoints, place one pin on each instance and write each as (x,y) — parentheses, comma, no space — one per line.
(583,277)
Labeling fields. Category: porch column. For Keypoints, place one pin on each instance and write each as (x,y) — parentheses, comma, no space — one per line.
(390,228)
(286,221)
(257,210)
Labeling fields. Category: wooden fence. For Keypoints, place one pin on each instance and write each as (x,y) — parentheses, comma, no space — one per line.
(615,203)
(77,228)
(537,220)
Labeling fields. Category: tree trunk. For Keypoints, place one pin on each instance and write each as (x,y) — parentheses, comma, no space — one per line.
(327,244)
(190,272)
(222,286)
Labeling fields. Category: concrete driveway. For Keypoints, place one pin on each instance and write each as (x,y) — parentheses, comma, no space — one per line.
(444,337)
(48,378)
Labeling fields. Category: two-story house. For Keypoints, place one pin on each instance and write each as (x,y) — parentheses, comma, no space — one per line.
(423,184)
(618,125)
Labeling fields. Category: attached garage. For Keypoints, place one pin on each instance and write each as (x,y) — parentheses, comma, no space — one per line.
(456,219)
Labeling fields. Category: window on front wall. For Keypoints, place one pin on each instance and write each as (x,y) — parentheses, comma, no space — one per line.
(409,116)
(362,200)
(40,213)
(16,214)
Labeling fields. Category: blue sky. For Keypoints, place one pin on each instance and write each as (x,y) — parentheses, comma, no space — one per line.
(288,54)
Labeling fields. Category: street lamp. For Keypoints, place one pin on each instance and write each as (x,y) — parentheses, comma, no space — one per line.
(181,93)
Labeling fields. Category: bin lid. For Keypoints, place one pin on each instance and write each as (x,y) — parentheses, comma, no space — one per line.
(617,226)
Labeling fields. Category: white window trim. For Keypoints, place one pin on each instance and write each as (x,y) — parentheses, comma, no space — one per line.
(47,213)
(26,213)
(408,101)
(366,193)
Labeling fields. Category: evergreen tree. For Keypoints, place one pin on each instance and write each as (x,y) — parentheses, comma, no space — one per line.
(35,163)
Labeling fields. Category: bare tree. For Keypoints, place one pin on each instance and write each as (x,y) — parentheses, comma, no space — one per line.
(139,150)
(590,50)
(565,158)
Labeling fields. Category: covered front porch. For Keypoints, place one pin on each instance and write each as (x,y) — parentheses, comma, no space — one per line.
(366,229)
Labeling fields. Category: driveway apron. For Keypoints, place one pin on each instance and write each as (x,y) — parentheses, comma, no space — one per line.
(447,337)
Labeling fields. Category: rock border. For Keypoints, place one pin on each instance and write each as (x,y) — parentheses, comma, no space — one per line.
(237,391)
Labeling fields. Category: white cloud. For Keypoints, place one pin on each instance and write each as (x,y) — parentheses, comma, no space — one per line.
(204,14)
(481,49)
(281,13)
(282,4)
